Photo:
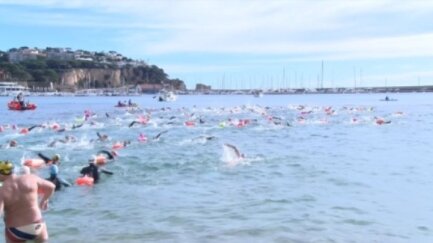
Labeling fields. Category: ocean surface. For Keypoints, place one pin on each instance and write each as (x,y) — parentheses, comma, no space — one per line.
(316,168)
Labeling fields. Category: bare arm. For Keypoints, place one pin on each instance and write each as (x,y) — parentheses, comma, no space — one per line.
(47,189)
(1,204)
(106,172)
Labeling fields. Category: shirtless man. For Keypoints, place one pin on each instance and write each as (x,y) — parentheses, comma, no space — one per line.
(19,201)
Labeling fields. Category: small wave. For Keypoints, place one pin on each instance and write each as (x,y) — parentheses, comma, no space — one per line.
(357,222)
(351,209)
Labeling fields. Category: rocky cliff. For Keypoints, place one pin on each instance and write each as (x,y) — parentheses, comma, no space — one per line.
(103,78)
(65,69)
(97,77)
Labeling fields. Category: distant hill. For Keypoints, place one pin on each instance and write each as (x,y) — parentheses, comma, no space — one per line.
(65,69)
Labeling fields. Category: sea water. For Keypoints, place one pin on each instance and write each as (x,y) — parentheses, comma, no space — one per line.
(317,168)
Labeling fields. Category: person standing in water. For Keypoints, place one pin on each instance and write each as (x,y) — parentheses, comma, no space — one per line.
(19,202)
(93,170)
(54,170)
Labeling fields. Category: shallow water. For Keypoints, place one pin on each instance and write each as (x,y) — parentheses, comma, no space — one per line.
(325,178)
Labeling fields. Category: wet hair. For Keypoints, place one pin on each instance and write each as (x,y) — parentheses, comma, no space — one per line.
(56,158)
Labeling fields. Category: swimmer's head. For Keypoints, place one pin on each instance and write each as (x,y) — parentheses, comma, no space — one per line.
(13,143)
(6,168)
(92,160)
(55,158)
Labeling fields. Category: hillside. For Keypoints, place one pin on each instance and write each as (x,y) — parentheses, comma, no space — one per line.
(65,69)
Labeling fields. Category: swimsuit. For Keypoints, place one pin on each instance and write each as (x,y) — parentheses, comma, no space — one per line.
(26,232)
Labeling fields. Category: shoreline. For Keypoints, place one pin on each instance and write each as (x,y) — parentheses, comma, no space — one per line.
(253,92)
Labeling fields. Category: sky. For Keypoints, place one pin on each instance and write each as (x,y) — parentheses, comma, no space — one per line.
(241,44)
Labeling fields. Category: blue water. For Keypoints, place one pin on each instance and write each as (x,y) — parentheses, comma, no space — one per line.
(326,178)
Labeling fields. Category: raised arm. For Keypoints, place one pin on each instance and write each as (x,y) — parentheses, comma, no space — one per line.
(238,154)
(45,158)
(109,155)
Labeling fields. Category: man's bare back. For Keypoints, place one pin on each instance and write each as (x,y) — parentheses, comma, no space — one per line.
(19,201)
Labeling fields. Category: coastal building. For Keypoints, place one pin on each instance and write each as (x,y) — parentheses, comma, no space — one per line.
(59,54)
(149,88)
(22,54)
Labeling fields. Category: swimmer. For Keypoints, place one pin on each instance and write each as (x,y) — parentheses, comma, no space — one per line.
(239,155)
(102,156)
(47,160)
(156,138)
(142,120)
(121,145)
(109,155)
(13,144)
(19,202)
(381,121)
(93,171)
(53,163)
(206,138)
(133,123)
(142,138)
(102,137)
(67,139)
(35,126)
(75,126)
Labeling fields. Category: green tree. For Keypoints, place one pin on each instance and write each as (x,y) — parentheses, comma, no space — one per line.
(16,71)
(34,64)
(3,57)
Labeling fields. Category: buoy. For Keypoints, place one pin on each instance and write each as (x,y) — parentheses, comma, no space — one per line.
(379,120)
(34,163)
(118,146)
(142,138)
(189,123)
(143,120)
(100,160)
(24,131)
(84,181)
(55,126)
